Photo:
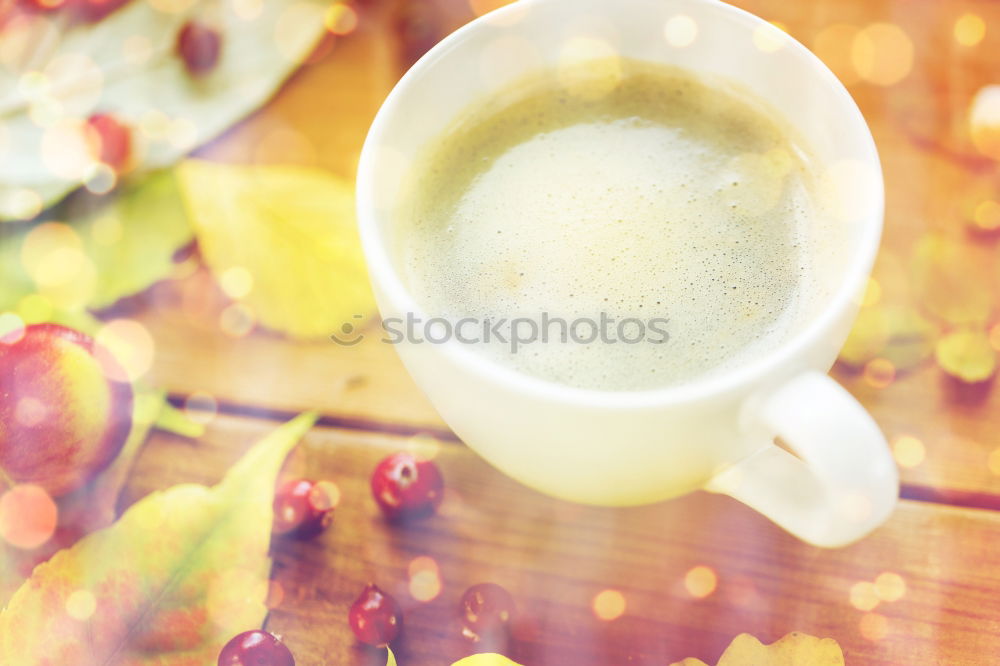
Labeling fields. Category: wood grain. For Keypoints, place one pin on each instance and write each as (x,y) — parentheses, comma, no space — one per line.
(929,165)
(554,557)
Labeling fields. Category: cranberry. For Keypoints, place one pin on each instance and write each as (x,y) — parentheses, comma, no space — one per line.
(375,617)
(485,610)
(198,45)
(114,140)
(406,487)
(256,648)
(304,508)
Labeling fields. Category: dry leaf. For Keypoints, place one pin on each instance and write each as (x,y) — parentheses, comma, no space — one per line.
(795,649)
(180,573)
(87,509)
(967,355)
(292,230)
(95,67)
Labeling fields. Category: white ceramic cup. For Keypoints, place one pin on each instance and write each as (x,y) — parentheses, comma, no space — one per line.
(716,433)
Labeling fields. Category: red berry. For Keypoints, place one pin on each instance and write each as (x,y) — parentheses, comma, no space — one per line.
(485,610)
(113,139)
(406,487)
(256,648)
(375,617)
(199,46)
(304,508)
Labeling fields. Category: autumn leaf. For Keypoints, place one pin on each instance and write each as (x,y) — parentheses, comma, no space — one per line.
(91,67)
(180,573)
(291,231)
(953,280)
(485,659)
(794,649)
(109,252)
(89,508)
(967,355)
(899,334)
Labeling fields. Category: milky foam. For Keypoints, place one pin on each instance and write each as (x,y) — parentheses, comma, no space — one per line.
(665,197)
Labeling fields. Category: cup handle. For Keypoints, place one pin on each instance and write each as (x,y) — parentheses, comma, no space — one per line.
(844,482)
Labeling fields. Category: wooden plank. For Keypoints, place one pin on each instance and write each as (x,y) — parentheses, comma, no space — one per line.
(328,106)
(554,557)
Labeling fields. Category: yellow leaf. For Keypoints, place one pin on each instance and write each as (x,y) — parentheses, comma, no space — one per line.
(485,659)
(794,649)
(897,333)
(391,658)
(288,234)
(178,575)
(967,355)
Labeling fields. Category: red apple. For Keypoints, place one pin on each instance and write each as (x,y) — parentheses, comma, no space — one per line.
(64,411)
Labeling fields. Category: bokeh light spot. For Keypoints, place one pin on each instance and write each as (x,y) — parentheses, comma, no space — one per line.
(873,293)
(28,516)
(130,344)
(882,53)
(12,328)
(908,451)
(425,579)
(864,596)
(984,120)
(681,31)
(873,626)
(340,19)
(81,605)
(993,462)
(970,29)
(700,582)
(890,586)
(609,605)
(29,411)
(879,372)
(237,320)
(237,282)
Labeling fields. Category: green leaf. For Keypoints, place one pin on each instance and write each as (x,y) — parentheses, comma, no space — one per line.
(175,421)
(89,67)
(291,230)
(178,575)
(107,253)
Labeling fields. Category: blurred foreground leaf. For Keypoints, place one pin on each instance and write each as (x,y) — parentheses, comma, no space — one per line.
(967,355)
(180,573)
(289,229)
(794,649)
(105,254)
(897,333)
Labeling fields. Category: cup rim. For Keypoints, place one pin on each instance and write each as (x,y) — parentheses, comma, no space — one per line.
(382,269)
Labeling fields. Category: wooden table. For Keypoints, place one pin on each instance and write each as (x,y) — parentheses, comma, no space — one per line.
(554,557)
